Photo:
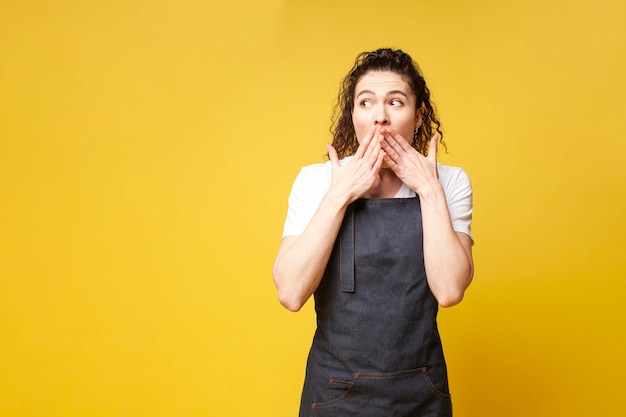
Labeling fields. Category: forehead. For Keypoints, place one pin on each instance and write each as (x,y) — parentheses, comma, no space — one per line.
(382,82)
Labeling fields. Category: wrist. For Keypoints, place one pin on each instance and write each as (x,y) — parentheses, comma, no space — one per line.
(431,191)
(338,201)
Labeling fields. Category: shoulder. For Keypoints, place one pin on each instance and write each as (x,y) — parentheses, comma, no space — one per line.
(454,180)
(307,192)
(317,177)
(449,173)
(314,176)
(315,170)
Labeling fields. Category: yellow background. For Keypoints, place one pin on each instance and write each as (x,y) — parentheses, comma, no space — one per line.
(148,148)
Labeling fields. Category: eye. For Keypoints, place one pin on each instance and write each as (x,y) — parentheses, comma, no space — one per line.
(365,103)
(396,102)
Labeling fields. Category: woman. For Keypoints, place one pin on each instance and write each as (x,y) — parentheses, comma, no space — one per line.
(380,235)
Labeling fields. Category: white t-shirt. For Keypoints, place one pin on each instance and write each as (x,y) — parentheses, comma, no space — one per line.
(314,180)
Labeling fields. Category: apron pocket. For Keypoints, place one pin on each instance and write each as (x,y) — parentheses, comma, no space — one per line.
(338,391)
(409,393)
(430,383)
(337,388)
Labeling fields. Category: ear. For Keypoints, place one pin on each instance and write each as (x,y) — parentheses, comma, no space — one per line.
(418,118)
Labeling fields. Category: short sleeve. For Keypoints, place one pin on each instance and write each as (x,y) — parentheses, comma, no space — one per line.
(313,181)
(458,191)
(307,192)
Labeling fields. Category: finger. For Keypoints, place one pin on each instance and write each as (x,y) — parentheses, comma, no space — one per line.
(399,141)
(395,146)
(373,146)
(391,163)
(364,145)
(387,145)
(375,150)
(380,158)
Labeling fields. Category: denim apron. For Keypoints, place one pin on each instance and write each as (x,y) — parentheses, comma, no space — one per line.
(376,351)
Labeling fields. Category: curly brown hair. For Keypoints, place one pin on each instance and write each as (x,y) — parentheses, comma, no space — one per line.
(384,59)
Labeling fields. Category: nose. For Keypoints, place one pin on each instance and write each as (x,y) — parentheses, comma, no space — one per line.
(380,116)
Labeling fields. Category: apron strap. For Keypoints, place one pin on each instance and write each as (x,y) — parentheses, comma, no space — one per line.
(346,251)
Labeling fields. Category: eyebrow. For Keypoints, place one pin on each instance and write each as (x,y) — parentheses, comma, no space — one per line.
(389,93)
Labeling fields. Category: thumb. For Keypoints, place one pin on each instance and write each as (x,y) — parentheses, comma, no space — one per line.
(433,147)
(332,155)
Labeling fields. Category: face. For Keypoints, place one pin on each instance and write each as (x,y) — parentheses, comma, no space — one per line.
(383,98)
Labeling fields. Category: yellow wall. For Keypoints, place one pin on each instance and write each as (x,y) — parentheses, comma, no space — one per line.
(148,148)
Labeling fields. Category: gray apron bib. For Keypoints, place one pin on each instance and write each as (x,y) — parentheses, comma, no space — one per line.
(376,351)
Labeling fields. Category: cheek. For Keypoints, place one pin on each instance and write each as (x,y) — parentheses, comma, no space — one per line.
(408,128)
(361,126)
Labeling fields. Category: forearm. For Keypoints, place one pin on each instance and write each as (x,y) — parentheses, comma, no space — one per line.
(447,257)
(302,260)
